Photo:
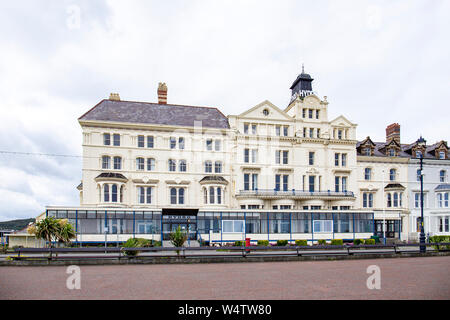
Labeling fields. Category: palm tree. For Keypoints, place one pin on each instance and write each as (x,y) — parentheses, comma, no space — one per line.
(46,229)
(65,231)
(178,238)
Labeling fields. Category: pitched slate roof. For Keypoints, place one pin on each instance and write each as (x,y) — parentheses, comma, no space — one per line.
(153,113)
(404,153)
(443,187)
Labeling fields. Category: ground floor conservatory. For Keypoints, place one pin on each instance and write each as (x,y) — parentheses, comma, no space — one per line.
(224,226)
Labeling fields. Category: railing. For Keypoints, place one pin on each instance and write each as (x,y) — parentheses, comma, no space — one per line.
(115,253)
(294,193)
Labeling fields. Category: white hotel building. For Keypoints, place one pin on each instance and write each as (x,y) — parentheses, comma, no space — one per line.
(266,174)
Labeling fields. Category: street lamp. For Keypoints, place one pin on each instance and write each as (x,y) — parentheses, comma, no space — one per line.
(421,143)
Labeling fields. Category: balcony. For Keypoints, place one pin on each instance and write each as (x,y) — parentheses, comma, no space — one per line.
(295,194)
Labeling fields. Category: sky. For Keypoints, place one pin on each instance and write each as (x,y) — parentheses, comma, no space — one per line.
(378,62)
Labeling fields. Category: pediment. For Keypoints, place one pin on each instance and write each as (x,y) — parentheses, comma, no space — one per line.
(342,121)
(274,113)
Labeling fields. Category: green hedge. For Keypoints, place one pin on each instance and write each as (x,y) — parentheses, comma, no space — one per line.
(301,242)
(282,243)
(263,243)
(437,239)
(239,244)
(369,241)
(337,242)
(358,242)
(322,242)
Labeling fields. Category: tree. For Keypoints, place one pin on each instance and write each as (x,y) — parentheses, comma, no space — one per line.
(178,238)
(65,231)
(46,229)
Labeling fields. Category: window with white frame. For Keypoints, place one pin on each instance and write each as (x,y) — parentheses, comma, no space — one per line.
(141,141)
(208,166)
(106,162)
(218,167)
(367,200)
(182,166)
(233,226)
(106,139)
(442,199)
(218,145)
(441,155)
(323,226)
(444,224)
(336,159)
(177,195)
(117,163)
(392,175)
(442,175)
(344,160)
(145,195)
(172,142)
(116,140)
(417,200)
(418,174)
(151,164)
(172,165)
(140,164)
(150,142)
(209,144)
(367,174)
(181,143)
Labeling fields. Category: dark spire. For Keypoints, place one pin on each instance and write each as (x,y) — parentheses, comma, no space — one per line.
(302,86)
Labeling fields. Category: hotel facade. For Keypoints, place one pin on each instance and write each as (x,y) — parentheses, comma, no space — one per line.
(266,174)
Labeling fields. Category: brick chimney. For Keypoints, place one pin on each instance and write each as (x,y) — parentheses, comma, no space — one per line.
(162,93)
(393,133)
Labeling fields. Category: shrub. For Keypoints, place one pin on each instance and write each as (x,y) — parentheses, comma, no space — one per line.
(301,242)
(437,239)
(282,243)
(337,242)
(156,243)
(136,243)
(263,243)
(369,241)
(4,248)
(239,244)
(358,242)
(322,242)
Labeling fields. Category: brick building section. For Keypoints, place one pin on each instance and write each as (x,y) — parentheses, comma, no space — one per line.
(393,133)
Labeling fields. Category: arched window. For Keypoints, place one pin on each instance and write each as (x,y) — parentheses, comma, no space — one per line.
(389,200)
(219,195)
(395,199)
(106,162)
(117,163)
(392,174)
(208,166)
(211,195)
(149,194)
(106,193)
(400,203)
(114,193)
(205,195)
(173,196)
(364,200)
(121,193)
(370,200)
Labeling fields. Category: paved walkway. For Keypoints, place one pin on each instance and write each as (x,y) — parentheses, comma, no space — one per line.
(401,278)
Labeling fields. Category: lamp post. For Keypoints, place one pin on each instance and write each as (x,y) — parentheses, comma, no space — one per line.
(421,143)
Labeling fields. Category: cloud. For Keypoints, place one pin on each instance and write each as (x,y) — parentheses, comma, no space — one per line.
(378,63)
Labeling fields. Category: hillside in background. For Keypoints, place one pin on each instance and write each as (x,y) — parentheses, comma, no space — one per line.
(15,224)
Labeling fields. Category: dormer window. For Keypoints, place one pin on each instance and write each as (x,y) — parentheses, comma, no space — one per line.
(391,152)
(442,155)
(266,112)
(418,154)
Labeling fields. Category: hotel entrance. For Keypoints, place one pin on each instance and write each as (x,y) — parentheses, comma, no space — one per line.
(391,228)
(186,219)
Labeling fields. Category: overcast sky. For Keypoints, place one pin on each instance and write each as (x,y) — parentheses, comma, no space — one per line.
(378,62)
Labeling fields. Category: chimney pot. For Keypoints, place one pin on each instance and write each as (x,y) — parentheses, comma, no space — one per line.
(114,96)
(162,93)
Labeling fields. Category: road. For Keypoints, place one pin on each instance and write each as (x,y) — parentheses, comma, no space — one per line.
(401,278)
